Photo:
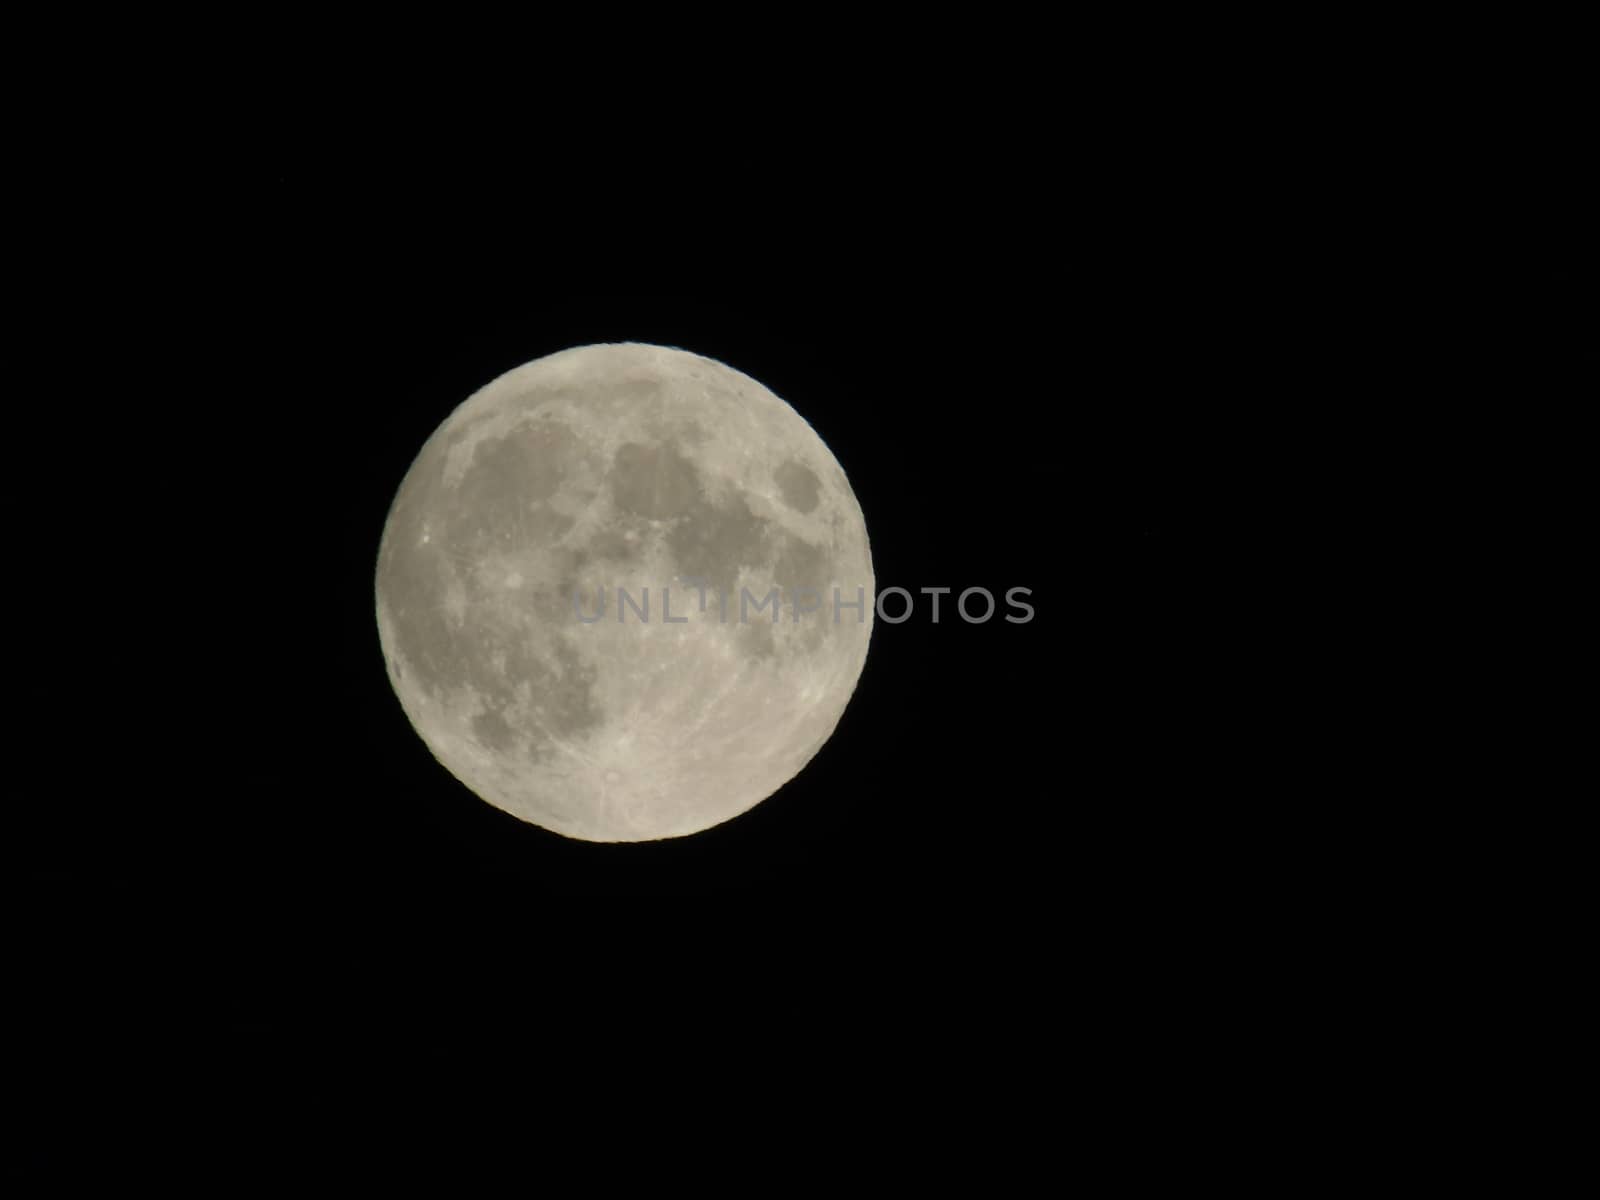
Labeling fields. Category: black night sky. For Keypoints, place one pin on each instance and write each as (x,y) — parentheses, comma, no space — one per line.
(1201,341)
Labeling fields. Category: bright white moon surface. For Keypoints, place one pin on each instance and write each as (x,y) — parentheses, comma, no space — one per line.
(698,493)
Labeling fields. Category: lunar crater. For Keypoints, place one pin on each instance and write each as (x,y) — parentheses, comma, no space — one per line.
(799,486)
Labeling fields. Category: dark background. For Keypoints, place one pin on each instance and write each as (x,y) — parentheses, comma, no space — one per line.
(1199,346)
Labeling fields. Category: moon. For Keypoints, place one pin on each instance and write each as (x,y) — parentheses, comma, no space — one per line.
(575,593)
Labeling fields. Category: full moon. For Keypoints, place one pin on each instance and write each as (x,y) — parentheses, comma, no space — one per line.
(624,593)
